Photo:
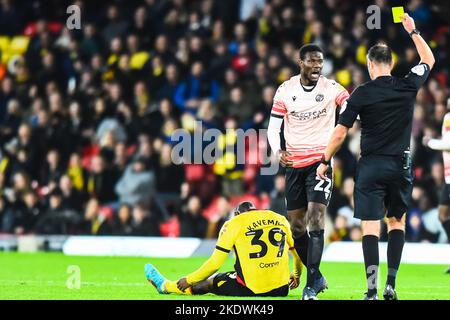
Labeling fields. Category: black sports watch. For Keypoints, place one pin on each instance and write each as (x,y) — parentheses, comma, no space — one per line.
(327,163)
(415,31)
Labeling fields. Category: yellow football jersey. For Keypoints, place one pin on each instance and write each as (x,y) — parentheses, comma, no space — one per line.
(261,240)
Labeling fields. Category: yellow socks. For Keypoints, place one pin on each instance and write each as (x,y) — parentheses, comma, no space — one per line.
(171,287)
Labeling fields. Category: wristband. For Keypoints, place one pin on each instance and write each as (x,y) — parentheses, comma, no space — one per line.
(415,31)
(323,161)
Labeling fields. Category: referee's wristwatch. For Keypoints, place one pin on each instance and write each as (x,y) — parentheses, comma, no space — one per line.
(415,31)
(325,162)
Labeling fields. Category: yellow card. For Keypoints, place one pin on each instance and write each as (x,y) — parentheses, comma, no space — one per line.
(397,14)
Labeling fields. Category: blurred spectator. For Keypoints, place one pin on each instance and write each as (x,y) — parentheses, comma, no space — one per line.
(340,229)
(76,172)
(52,170)
(31,212)
(115,26)
(277,196)
(144,223)
(6,216)
(347,211)
(208,114)
(11,120)
(123,221)
(192,222)
(72,199)
(100,182)
(237,107)
(121,158)
(94,222)
(170,83)
(57,220)
(220,217)
(168,175)
(137,185)
(196,87)
(227,166)
(414,226)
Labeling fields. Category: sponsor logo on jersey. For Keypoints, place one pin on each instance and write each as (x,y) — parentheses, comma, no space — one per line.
(319,97)
(306,116)
(294,98)
(269,265)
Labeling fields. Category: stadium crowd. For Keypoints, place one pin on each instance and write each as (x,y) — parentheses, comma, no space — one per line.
(86,115)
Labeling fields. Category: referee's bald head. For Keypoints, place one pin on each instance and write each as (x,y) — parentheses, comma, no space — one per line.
(380,54)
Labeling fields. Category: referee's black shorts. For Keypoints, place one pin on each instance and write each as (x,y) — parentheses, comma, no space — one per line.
(382,187)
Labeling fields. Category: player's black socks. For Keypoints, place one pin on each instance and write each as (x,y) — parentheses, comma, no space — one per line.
(396,240)
(301,246)
(446,225)
(371,261)
(315,249)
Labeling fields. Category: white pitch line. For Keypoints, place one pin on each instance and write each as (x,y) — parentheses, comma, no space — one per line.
(86,283)
(419,287)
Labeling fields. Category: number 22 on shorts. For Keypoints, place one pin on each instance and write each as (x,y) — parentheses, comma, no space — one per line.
(319,186)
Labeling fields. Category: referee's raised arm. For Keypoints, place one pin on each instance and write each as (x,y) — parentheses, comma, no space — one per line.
(425,53)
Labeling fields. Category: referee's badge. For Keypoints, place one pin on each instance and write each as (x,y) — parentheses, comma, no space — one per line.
(319,97)
(419,69)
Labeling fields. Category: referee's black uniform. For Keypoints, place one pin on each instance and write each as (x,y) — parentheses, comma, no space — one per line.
(383,180)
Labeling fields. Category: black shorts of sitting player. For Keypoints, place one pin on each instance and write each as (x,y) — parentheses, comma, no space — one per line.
(227,284)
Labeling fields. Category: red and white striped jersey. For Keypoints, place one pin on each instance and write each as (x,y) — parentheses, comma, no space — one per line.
(309,117)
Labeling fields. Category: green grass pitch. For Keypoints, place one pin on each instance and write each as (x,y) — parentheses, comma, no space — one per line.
(45,276)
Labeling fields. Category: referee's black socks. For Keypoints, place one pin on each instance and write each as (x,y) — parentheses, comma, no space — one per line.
(396,240)
(371,262)
(315,250)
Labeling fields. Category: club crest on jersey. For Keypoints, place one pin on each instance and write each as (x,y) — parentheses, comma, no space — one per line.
(294,98)
(319,97)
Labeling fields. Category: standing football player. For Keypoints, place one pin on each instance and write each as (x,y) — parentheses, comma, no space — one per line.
(443,144)
(307,104)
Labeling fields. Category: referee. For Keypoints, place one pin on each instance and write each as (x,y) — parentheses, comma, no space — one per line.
(383,179)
